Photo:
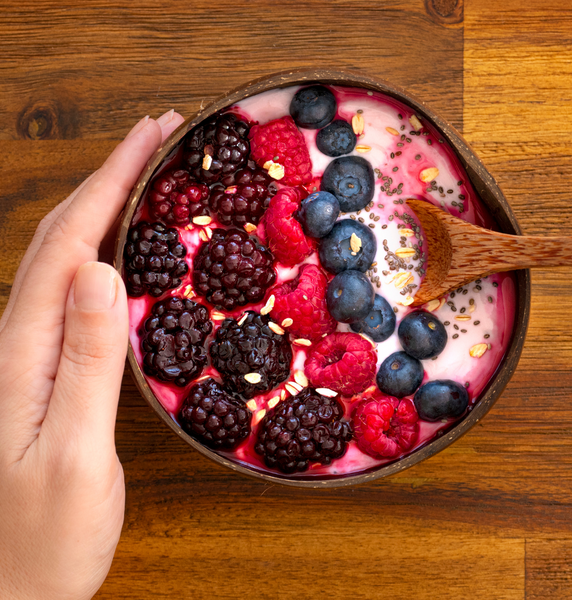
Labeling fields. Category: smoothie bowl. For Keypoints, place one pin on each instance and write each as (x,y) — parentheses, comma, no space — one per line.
(271,263)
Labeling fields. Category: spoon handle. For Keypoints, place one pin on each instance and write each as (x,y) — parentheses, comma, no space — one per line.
(505,252)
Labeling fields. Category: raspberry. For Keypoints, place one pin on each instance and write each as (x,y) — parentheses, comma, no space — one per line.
(214,417)
(233,269)
(343,362)
(243,197)
(154,259)
(285,235)
(250,348)
(173,340)
(305,428)
(280,141)
(225,139)
(175,198)
(385,426)
(303,300)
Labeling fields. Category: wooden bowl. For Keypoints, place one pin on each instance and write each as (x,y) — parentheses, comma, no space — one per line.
(483,183)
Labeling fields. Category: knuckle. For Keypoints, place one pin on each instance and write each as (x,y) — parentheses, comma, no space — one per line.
(87,350)
(57,230)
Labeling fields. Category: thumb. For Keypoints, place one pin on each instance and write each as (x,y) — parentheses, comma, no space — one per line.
(86,389)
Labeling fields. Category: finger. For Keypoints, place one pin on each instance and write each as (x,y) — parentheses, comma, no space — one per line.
(73,239)
(32,249)
(169,122)
(83,405)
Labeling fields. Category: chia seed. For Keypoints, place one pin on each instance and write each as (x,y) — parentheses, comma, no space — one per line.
(455,336)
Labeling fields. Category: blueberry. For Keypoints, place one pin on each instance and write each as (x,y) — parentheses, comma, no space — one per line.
(351,180)
(318,214)
(441,399)
(422,335)
(379,324)
(313,107)
(336,254)
(336,139)
(399,375)
(350,296)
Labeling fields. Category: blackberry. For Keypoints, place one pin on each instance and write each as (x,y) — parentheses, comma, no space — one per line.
(214,417)
(225,139)
(305,428)
(243,197)
(175,199)
(250,348)
(154,259)
(173,339)
(233,269)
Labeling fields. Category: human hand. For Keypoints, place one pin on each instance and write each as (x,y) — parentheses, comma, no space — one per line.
(63,339)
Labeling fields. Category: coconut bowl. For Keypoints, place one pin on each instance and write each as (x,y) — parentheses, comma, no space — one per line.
(490,195)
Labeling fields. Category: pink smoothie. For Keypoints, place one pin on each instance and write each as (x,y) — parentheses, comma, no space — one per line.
(410,159)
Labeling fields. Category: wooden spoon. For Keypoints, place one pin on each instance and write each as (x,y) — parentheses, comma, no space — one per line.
(459,252)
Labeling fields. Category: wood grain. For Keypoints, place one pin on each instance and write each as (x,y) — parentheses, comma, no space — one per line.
(487,518)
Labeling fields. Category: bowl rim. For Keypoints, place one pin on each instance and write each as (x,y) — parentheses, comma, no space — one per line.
(485,186)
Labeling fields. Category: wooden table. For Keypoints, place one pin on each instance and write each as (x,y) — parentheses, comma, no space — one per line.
(488,518)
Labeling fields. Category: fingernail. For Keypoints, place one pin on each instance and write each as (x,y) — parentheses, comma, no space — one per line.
(95,286)
(138,127)
(164,119)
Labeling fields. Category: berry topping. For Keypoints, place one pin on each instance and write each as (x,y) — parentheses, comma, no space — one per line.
(305,428)
(214,417)
(318,214)
(343,362)
(284,233)
(173,340)
(350,297)
(351,180)
(243,197)
(349,245)
(336,139)
(399,375)
(175,198)
(217,147)
(441,399)
(313,107)
(379,323)
(385,427)
(233,269)
(280,143)
(302,303)
(251,357)
(422,335)
(154,259)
